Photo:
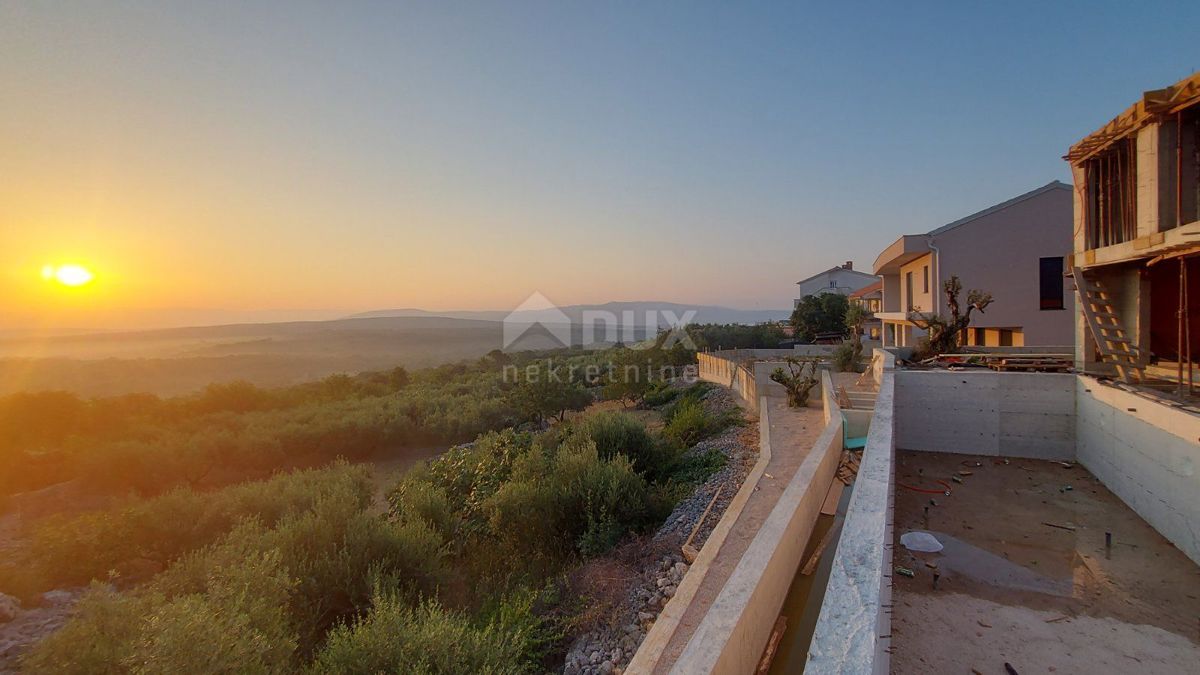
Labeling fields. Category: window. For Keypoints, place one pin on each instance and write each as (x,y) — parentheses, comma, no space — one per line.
(1006,337)
(926,271)
(908,290)
(1050,271)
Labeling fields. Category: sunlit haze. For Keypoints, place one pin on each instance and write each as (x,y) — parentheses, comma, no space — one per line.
(213,161)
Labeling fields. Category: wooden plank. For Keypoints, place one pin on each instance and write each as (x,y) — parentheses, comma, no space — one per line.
(764,664)
(811,565)
(832,497)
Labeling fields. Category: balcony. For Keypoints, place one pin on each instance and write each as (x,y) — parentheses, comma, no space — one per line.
(902,251)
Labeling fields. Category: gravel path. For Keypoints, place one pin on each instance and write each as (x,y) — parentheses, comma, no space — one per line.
(653,580)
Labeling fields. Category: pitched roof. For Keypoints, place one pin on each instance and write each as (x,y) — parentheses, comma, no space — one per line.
(1052,185)
(832,270)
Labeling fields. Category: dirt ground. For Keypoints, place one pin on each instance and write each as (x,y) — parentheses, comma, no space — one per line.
(1025,577)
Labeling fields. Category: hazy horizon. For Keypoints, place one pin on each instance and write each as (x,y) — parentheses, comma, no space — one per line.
(306,162)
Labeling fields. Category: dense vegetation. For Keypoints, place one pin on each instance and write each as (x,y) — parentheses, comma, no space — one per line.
(463,573)
(820,315)
(713,336)
(217,550)
(144,444)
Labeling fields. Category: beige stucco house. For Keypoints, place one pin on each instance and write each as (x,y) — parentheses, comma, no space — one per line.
(1015,250)
(1136,238)
(870,298)
(843,279)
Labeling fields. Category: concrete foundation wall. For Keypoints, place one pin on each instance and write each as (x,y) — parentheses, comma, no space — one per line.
(986,413)
(736,628)
(853,630)
(1146,453)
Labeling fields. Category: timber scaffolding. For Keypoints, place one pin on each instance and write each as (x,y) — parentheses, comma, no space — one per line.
(1138,205)
(1052,359)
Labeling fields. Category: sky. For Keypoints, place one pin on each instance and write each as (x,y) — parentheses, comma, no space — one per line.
(301,160)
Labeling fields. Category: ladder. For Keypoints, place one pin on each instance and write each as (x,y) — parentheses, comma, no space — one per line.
(1111,337)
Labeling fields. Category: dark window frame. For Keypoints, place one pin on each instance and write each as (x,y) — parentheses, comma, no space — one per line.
(1051,285)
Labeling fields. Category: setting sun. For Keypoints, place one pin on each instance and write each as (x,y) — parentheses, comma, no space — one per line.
(68,275)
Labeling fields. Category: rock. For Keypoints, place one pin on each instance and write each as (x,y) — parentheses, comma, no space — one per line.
(9,607)
(606,668)
(645,616)
(664,601)
(669,591)
(681,567)
(616,655)
(58,598)
(662,581)
(595,657)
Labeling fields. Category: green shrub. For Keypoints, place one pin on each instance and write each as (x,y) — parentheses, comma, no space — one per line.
(78,549)
(689,424)
(618,433)
(568,499)
(336,551)
(396,638)
(844,359)
(236,623)
(98,640)
(660,394)
(696,467)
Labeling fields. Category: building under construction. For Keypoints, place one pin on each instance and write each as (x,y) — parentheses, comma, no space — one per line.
(1137,235)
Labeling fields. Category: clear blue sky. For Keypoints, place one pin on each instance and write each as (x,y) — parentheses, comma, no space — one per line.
(351,156)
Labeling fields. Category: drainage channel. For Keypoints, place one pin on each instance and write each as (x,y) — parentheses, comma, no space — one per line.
(803,603)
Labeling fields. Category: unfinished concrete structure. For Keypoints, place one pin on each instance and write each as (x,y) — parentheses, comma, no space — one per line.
(1064,506)
(1015,250)
(1136,235)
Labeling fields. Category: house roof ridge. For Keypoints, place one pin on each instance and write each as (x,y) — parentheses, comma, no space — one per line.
(1052,185)
(834,269)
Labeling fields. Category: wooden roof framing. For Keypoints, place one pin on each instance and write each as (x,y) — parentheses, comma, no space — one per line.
(1154,106)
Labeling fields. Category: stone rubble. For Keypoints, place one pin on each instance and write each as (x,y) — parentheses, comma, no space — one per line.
(27,626)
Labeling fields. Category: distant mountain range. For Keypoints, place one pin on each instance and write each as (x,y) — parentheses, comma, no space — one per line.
(637,313)
(171,361)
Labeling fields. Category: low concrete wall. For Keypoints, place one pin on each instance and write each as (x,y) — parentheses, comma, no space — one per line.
(1147,454)
(734,632)
(980,412)
(725,369)
(651,650)
(854,627)
(748,371)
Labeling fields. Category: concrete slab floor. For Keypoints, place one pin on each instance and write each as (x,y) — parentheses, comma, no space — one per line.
(1025,577)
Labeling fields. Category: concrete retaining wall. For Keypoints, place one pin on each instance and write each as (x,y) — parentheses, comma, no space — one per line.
(748,371)
(651,650)
(734,632)
(725,369)
(1147,454)
(854,627)
(980,412)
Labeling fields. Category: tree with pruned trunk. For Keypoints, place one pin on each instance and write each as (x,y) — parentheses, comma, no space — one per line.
(947,334)
(799,379)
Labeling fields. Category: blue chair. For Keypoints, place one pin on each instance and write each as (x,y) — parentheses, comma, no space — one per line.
(851,442)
